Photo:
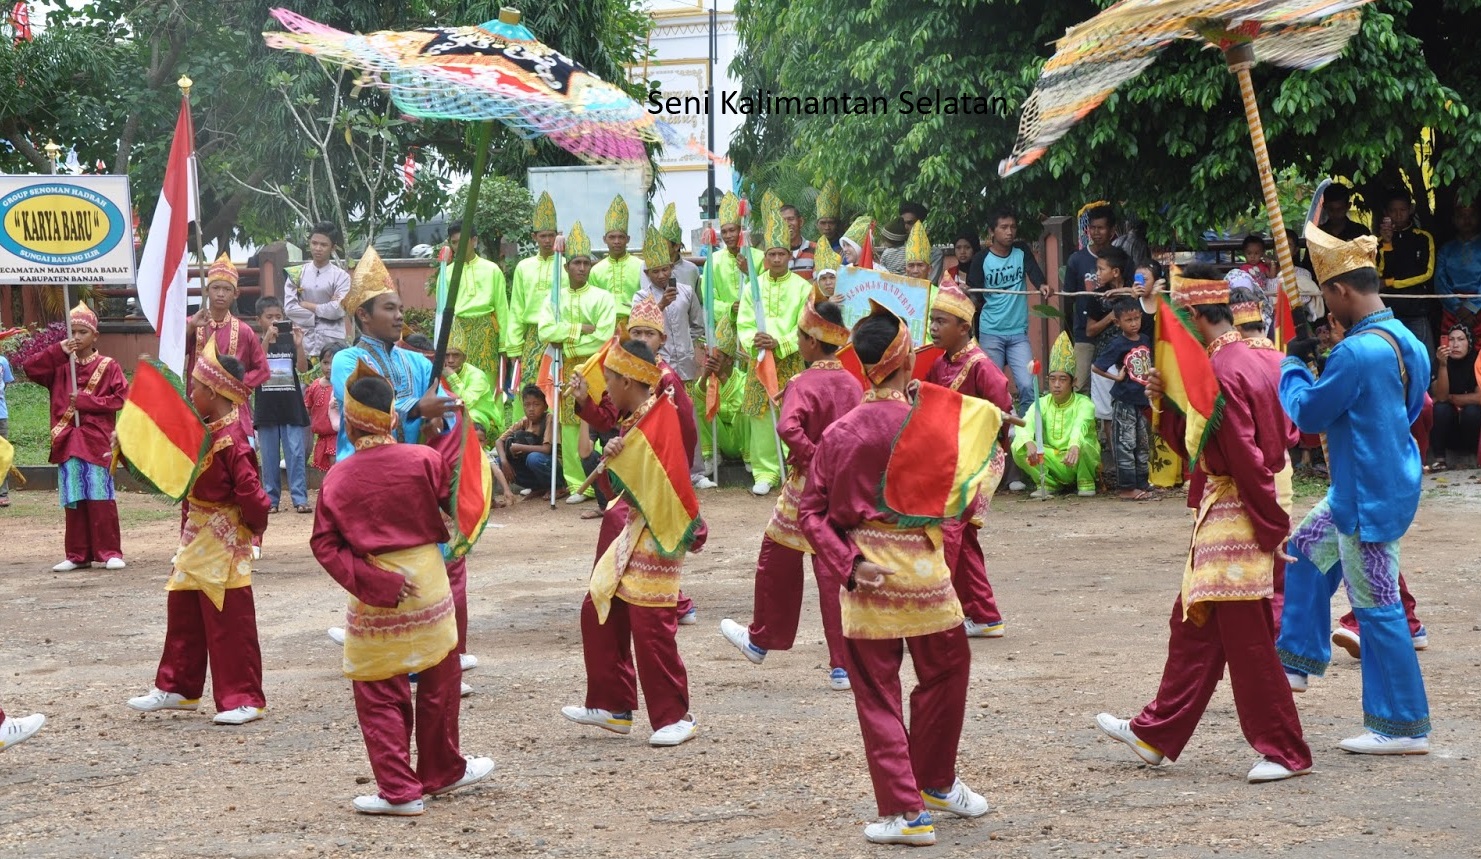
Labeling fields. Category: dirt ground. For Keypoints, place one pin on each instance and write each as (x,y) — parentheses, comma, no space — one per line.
(778,768)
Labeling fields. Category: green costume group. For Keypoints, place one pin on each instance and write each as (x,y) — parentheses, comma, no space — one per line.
(1068,422)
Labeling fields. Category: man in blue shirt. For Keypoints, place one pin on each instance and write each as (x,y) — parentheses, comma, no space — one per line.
(1002,319)
(1371,390)
(1458,271)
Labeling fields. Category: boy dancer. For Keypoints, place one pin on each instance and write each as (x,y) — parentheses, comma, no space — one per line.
(966,369)
(629,610)
(1371,390)
(1067,456)
(1223,615)
(812,402)
(896,594)
(82,419)
(377,532)
(212,618)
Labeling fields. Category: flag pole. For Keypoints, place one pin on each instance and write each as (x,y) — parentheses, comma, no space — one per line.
(185,83)
(481,140)
(710,240)
(557,369)
(54,152)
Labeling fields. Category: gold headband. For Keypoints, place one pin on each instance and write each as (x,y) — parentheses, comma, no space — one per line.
(894,356)
(1189,292)
(1246,313)
(818,328)
(625,363)
(367,419)
(209,372)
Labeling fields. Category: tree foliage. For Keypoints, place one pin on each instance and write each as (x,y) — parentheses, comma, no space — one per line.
(1172,145)
(504,211)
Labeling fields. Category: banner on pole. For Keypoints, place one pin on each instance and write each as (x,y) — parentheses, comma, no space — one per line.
(907,297)
(66,230)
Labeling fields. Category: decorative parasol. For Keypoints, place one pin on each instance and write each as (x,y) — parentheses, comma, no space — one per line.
(496,71)
(1115,46)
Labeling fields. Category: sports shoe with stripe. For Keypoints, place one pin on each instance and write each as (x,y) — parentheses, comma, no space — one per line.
(617,723)
(959,801)
(1120,729)
(918,832)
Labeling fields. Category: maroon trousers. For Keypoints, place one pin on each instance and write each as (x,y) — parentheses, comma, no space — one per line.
(457,580)
(92,532)
(198,636)
(778,602)
(647,635)
(969,572)
(904,761)
(387,718)
(1240,634)
(1350,622)
(614,519)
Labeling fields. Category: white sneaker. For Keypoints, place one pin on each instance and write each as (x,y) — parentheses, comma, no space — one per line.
(1120,729)
(1267,770)
(1017,486)
(897,830)
(1421,639)
(240,716)
(1299,682)
(741,637)
(960,801)
(69,566)
(1349,641)
(337,635)
(761,488)
(703,482)
(478,769)
(838,680)
(617,723)
(114,564)
(17,729)
(1040,494)
(1085,493)
(673,735)
(526,493)
(1369,743)
(984,630)
(468,661)
(256,553)
(375,805)
(577,498)
(689,618)
(158,699)
(464,690)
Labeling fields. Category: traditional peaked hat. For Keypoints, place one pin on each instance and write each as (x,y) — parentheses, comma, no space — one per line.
(578,244)
(1188,292)
(657,252)
(222,270)
(918,246)
(778,234)
(828,204)
(825,259)
(544,219)
(625,363)
(1332,257)
(617,216)
(1244,303)
(84,316)
(457,339)
(815,326)
(209,372)
(1062,355)
(951,300)
(646,313)
(770,201)
(369,279)
(899,349)
(362,417)
(729,209)
(858,230)
(668,225)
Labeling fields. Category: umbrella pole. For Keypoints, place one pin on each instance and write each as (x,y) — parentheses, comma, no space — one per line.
(481,140)
(1240,58)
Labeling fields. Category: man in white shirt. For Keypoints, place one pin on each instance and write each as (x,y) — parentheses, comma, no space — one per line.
(312,299)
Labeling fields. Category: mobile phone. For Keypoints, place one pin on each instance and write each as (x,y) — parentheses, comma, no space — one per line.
(284,326)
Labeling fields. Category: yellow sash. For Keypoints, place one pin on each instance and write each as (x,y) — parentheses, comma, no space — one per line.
(215,551)
(381,643)
(1225,561)
(917,600)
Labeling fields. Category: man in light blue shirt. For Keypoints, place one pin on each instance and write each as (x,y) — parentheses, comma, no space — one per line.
(1002,320)
(1458,270)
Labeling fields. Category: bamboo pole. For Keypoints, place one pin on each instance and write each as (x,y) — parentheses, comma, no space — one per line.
(1241,57)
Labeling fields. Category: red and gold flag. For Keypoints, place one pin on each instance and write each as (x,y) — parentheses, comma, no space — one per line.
(1189,386)
(941,456)
(653,469)
(160,436)
(472,488)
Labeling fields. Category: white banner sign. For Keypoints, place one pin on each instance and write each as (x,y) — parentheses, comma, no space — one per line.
(908,297)
(66,230)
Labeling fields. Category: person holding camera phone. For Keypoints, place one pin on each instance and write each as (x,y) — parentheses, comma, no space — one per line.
(278,410)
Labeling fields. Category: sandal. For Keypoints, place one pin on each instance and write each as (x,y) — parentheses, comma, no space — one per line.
(592,514)
(273,509)
(1437,466)
(1138,495)
(302,508)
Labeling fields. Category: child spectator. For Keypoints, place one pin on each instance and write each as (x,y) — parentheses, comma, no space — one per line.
(278,408)
(318,399)
(1130,434)
(524,448)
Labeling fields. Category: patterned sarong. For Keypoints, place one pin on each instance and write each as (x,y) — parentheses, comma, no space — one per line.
(530,354)
(480,337)
(1225,561)
(80,480)
(917,600)
(633,569)
(784,528)
(215,551)
(755,401)
(381,643)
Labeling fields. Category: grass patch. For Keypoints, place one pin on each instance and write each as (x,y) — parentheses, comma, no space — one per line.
(30,422)
(1306,485)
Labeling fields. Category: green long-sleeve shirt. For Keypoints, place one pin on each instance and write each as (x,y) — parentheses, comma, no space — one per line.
(782,303)
(482,293)
(622,278)
(530,290)
(590,305)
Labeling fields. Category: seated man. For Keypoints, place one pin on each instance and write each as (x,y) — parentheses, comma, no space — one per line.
(1067,454)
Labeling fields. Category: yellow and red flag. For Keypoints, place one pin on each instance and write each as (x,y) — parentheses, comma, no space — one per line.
(160,435)
(653,468)
(472,488)
(941,456)
(1285,321)
(1189,386)
(591,371)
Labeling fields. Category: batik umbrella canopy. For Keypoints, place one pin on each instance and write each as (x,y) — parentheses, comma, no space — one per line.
(1115,46)
(493,72)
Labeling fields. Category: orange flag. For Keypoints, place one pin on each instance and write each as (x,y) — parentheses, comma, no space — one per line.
(766,374)
(545,382)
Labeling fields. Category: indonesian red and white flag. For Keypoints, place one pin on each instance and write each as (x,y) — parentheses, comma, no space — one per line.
(162,269)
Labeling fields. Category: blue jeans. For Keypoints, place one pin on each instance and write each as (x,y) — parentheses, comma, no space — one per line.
(537,466)
(1012,354)
(289,444)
